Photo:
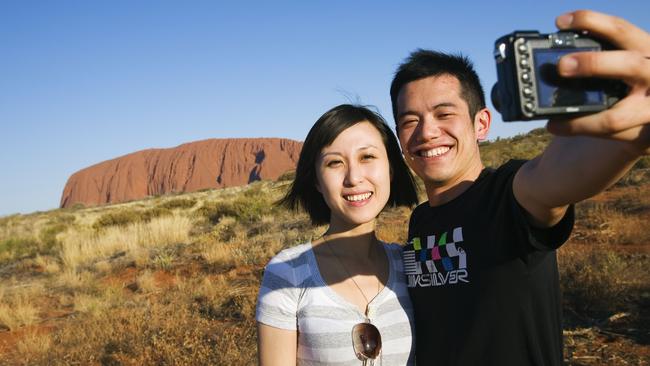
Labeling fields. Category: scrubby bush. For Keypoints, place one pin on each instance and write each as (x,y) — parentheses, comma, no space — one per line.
(246,209)
(527,146)
(591,280)
(129,216)
(152,213)
(117,218)
(18,247)
(178,203)
(48,237)
(287,176)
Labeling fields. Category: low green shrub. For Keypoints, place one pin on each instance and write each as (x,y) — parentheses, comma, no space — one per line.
(244,209)
(591,281)
(48,237)
(129,216)
(15,248)
(117,218)
(152,213)
(287,176)
(178,203)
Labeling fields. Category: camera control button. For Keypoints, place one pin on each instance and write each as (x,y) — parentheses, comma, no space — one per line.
(528,92)
(525,77)
(530,107)
(522,48)
(524,63)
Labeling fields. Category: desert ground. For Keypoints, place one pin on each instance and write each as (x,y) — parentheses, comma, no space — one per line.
(172,280)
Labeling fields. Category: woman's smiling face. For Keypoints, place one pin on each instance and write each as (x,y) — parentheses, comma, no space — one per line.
(353,175)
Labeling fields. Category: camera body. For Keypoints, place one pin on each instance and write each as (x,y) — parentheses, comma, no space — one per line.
(529,87)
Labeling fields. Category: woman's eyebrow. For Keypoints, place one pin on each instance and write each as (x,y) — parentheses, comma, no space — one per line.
(371,146)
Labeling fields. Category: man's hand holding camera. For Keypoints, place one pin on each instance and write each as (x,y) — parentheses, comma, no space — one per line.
(629,119)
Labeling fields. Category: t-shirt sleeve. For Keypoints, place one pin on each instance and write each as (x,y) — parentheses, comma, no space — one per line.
(538,238)
(554,236)
(277,302)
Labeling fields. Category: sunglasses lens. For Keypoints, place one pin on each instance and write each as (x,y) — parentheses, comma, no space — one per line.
(366,341)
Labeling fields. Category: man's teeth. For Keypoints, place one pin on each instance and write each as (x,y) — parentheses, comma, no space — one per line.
(434,152)
(358,197)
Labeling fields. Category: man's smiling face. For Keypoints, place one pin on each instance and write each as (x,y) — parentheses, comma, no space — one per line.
(436,132)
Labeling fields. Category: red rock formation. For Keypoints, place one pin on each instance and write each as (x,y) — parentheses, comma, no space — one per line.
(213,163)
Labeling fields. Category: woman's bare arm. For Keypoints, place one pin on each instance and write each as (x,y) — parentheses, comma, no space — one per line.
(276,347)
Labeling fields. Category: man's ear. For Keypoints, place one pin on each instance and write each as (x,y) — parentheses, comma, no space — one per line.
(482,121)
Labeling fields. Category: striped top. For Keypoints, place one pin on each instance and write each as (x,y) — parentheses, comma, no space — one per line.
(294,296)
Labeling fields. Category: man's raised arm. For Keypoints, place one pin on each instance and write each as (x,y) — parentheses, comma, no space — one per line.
(592,152)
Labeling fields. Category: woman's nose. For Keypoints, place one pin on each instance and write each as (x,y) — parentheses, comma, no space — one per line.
(353,175)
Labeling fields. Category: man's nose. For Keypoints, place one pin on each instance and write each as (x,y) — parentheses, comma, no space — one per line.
(429,129)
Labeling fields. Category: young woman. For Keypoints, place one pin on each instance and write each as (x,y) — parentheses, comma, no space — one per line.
(342,298)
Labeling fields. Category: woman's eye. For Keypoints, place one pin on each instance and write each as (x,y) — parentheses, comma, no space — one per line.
(333,163)
(367,157)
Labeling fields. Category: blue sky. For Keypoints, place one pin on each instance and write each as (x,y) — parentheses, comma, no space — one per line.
(86,81)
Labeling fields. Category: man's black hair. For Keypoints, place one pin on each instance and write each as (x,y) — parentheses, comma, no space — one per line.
(424,63)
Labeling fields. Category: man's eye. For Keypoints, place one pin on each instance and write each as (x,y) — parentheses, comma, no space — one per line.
(408,122)
(445,115)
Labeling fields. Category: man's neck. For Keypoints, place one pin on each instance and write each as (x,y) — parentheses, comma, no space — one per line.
(441,193)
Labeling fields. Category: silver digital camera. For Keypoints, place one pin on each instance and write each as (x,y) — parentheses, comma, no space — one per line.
(529,86)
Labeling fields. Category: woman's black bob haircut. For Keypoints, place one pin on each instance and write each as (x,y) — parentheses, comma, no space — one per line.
(303,190)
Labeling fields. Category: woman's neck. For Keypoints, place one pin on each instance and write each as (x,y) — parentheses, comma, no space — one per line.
(356,241)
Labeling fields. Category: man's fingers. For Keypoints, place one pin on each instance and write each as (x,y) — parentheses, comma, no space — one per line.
(629,113)
(625,65)
(618,31)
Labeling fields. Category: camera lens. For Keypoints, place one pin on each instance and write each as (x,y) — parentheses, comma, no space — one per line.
(496,98)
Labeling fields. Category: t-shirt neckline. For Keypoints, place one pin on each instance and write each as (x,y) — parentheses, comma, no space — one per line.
(335,296)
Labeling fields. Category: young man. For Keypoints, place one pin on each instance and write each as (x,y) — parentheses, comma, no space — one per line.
(480,262)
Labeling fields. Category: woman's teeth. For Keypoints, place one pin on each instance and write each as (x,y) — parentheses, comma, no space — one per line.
(358,197)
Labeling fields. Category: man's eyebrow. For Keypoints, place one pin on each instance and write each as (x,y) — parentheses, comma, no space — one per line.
(437,106)
(444,104)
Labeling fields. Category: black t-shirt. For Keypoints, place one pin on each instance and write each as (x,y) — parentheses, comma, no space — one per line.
(483,282)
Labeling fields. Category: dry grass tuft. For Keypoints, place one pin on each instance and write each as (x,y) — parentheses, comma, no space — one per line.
(84,303)
(73,279)
(83,247)
(33,344)
(146,282)
(217,253)
(17,311)
(48,264)
(596,279)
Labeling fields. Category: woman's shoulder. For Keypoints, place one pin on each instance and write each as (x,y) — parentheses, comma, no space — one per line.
(291,258)
(394,250)
(290,268)
(393,247)
(292,253)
